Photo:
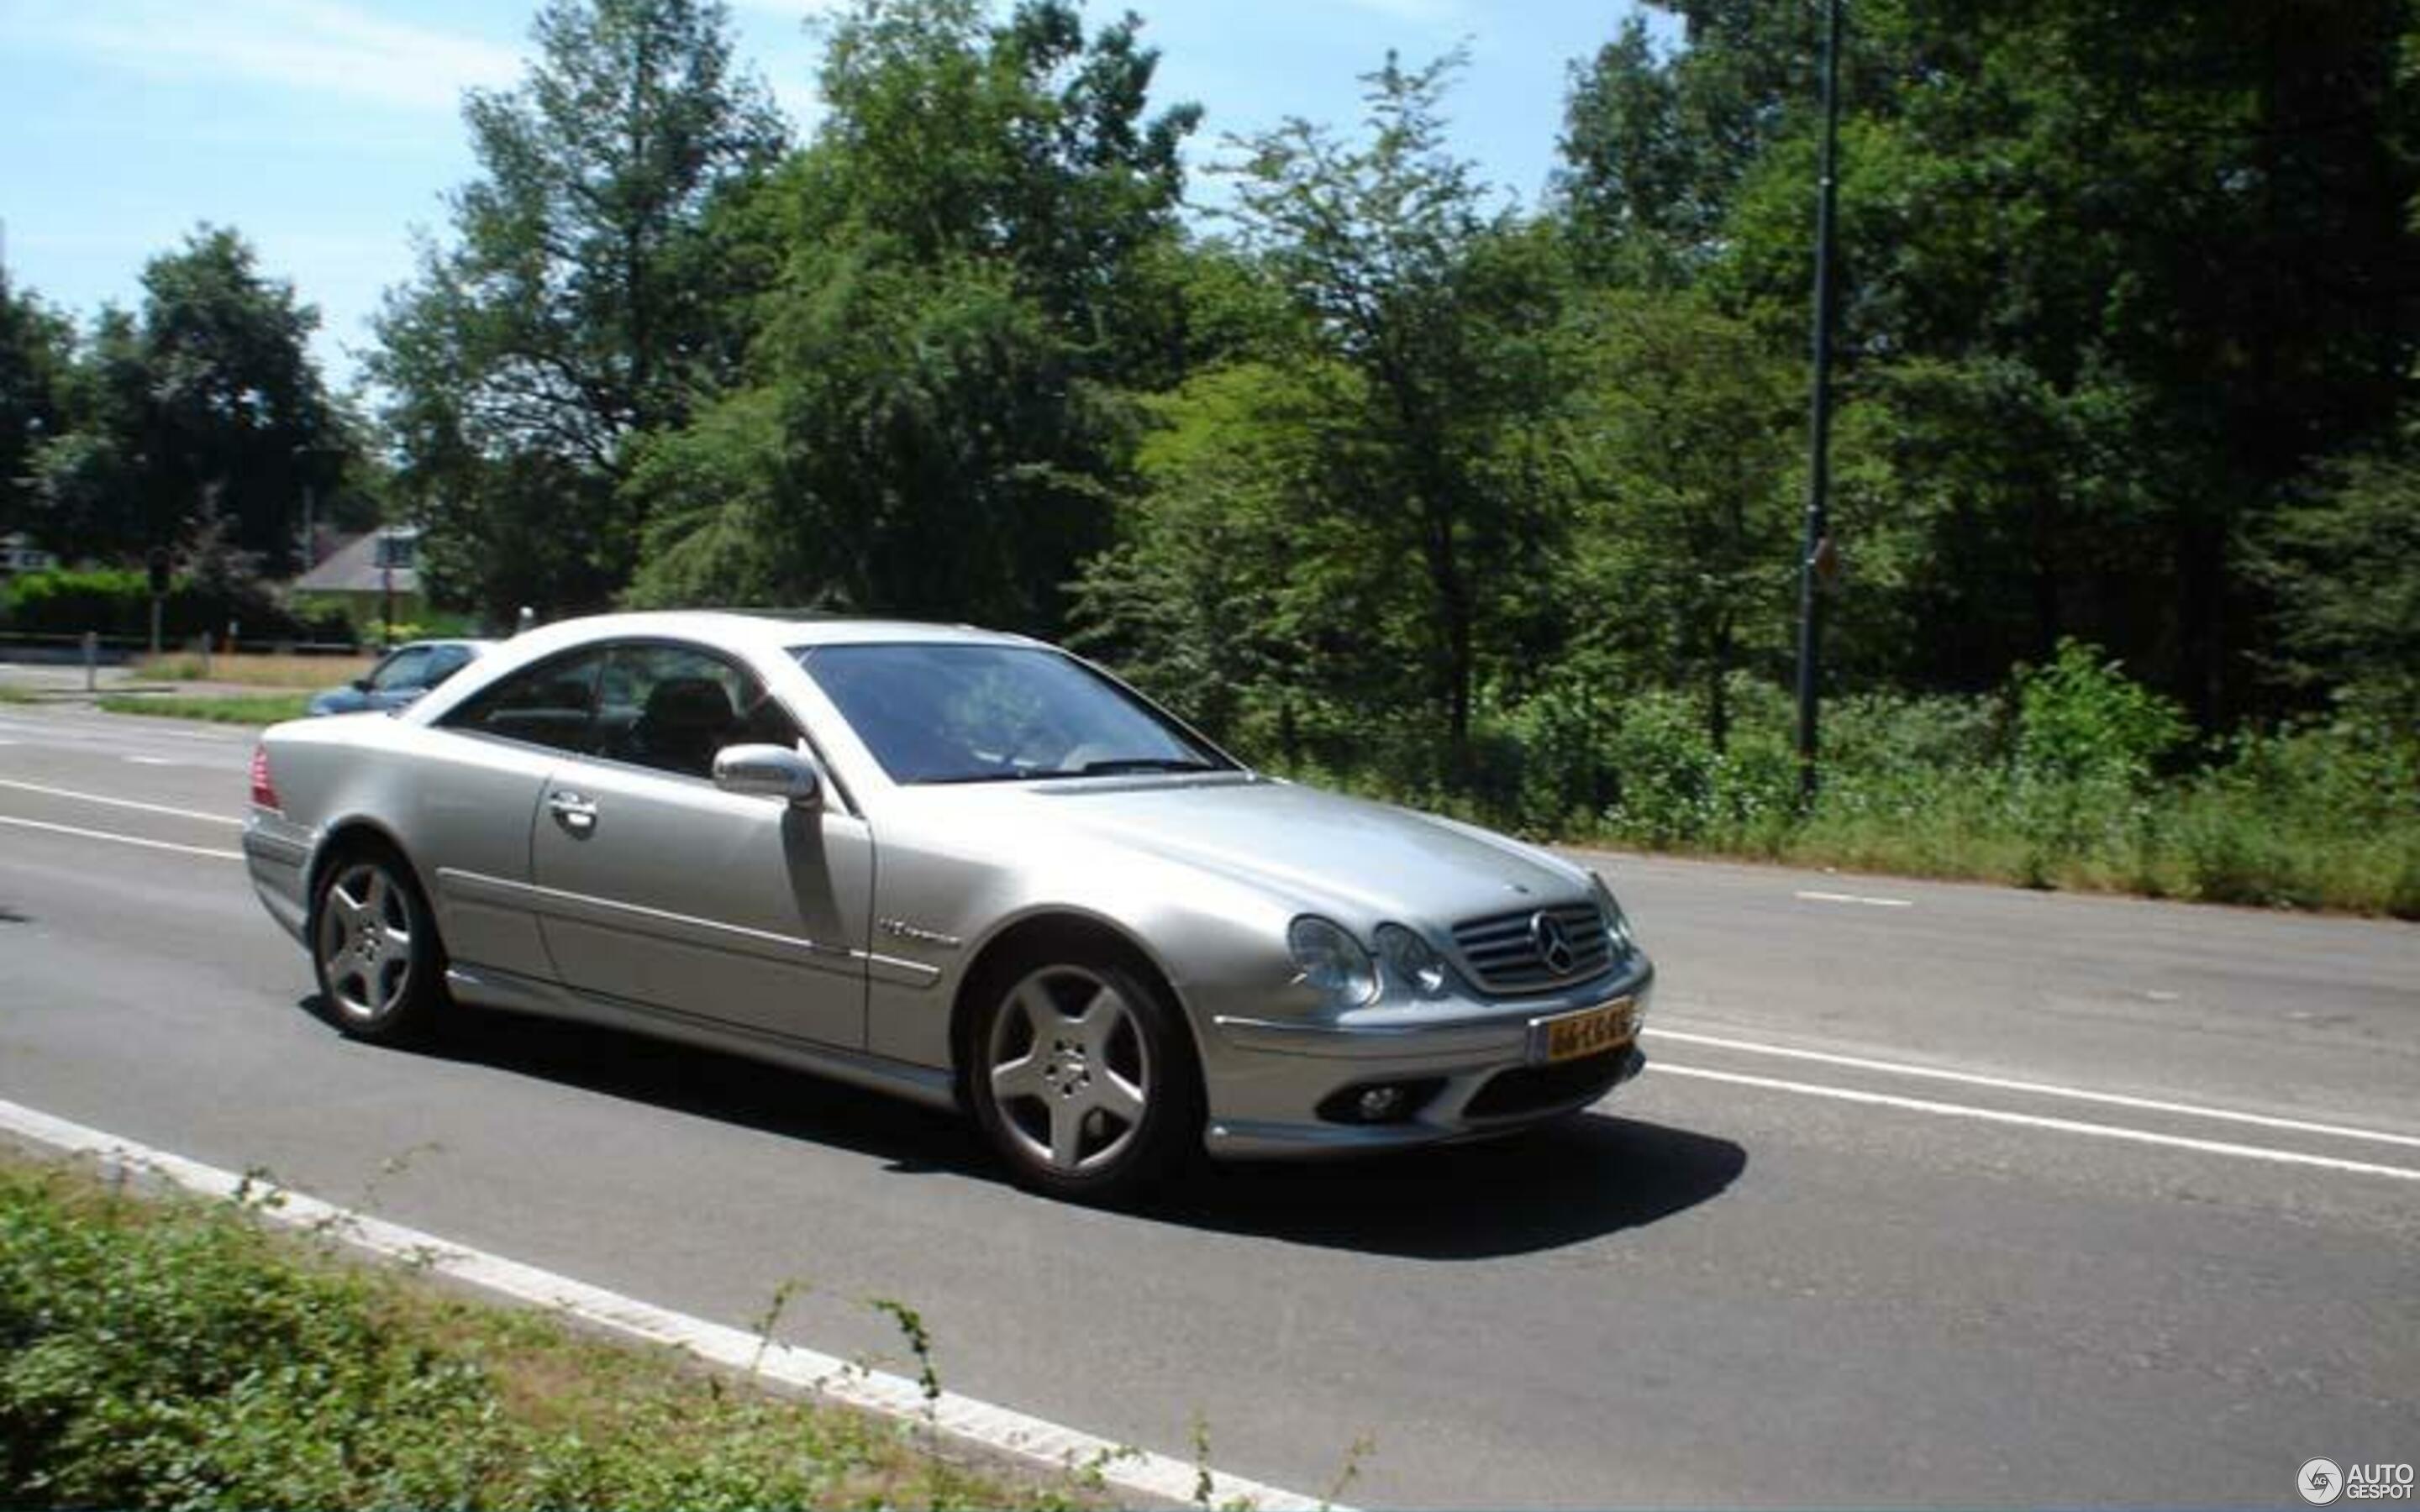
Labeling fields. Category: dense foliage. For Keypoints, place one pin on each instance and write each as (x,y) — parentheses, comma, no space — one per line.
(1379,474)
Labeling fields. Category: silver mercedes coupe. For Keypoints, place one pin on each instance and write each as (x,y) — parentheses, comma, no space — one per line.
(965,867)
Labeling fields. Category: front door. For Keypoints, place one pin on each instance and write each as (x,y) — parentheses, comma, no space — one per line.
(657,889)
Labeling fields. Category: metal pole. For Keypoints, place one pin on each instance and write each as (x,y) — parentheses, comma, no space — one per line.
(1818,440)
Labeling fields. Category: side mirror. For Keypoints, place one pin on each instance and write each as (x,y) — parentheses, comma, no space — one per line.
(360,684)
(769,772)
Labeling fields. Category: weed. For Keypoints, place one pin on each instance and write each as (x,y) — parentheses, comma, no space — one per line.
(235,708)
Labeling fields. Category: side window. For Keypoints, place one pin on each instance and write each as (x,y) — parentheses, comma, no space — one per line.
(548,705)
(444,662)
(408,668)
(673,707)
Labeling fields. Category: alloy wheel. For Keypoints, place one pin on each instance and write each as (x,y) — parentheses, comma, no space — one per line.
(1070,1069)
(365,945)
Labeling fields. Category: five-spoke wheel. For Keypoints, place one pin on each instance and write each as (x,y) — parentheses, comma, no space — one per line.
(1083,1079)
(375,947)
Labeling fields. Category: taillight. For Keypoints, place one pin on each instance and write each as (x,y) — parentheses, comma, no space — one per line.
(264,793)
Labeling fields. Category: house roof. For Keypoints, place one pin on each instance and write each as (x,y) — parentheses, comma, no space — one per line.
(355,567)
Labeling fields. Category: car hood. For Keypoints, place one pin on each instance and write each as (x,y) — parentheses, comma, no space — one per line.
(1329,853)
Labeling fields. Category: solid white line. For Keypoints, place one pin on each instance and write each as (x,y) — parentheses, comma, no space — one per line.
(2077,1094)
(122,840)
(1002,1430)
(2033,1120)
(123,803)
(1854,898)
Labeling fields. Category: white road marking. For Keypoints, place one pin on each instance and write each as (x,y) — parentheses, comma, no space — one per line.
(115,727)
(154,760)
(121,803)
(122,840)
(1002,1430)
(1854,898)
(2076,1094)
(2035,1120)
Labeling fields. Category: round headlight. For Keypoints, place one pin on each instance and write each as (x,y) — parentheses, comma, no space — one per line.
(1331,961)
(1617,923)
(1412,958)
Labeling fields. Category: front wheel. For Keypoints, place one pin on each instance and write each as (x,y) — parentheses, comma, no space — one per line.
(1083,1078)
(374,946)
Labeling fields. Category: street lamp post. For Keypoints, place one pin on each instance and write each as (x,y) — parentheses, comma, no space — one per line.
(1817,556)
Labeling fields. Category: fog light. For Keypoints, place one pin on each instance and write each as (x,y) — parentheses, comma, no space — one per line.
(1380,1102)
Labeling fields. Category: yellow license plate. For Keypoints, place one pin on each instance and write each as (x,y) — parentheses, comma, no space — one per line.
(1595,1030)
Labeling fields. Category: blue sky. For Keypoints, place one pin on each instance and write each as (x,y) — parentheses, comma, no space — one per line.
(326,129)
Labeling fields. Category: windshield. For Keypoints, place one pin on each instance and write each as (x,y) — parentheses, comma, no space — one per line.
(972,713)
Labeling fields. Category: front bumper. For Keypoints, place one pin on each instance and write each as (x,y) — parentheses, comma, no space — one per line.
(1475,1067)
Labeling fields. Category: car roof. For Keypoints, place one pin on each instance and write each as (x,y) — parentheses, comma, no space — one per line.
(776,630)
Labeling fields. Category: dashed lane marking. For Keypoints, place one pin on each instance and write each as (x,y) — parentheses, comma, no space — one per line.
(2076,1094)
(121,803)
(2035,1120)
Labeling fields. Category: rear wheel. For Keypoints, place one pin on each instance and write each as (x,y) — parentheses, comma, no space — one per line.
(1083,1078)
(374,945)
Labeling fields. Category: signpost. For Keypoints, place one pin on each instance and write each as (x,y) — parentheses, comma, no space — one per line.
(1818,560)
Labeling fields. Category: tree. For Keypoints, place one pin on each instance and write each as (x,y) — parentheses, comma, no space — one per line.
(36,354)
(1683,569)
(2344,564)
(969,264)
(1436,316)
(204,416)
(579,304)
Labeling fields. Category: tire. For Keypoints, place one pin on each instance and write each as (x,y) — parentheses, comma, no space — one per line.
(374,946)
(1082,1076)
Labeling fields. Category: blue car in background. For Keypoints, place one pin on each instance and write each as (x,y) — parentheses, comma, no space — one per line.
(401,675)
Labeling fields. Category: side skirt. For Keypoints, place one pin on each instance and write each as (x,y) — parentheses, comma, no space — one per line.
(487,987)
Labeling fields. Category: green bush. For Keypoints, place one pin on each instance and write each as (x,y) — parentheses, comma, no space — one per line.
(177,1354)
(116,602)
(2071,775)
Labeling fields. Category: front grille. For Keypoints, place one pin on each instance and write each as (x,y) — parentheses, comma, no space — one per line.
(1535,1088)
(1502,952)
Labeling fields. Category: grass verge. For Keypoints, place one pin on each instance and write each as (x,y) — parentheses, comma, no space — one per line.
(307,673)
(233,708)
(166,1351)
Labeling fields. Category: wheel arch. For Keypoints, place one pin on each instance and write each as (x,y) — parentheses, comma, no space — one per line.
(1040,935)
(344,838)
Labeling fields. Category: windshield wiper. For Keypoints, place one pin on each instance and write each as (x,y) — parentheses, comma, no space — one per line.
(1139,763)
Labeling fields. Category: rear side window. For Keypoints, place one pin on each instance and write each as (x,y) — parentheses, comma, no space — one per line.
(549,704)
(672,707)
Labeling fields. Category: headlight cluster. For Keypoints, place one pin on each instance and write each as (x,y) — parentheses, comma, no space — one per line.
(1412,958)
(1617,923)
(1334,964)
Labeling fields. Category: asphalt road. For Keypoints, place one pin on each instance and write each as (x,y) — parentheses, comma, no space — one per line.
(1935,1193)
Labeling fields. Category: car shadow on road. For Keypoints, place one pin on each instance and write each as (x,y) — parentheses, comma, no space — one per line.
(1564,1184)
(709,1084)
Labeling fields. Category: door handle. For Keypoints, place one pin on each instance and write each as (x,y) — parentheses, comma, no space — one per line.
(574,812)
